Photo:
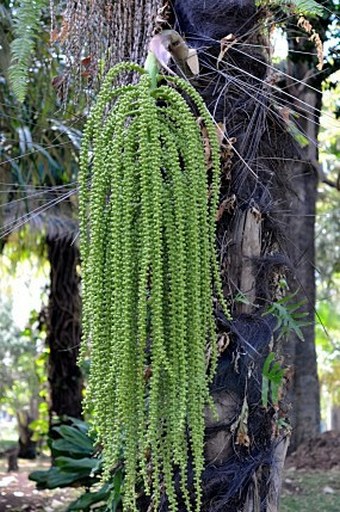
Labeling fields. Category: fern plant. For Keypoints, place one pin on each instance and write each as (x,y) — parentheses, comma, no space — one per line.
(289,316)
(149,184)
(26,28)
(272,377)
(297,7)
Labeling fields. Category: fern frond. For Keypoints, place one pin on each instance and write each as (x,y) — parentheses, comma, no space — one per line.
(305,7)
(26,26)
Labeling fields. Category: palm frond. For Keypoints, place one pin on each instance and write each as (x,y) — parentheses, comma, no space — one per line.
(26,27)
(50,210)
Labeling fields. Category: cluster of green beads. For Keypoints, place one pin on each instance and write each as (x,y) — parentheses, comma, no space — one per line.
(147,214)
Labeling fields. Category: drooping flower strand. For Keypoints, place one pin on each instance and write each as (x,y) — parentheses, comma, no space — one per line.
(147,215)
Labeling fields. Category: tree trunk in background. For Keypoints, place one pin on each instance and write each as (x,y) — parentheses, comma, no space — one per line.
(27,447)
(63,332)
(335,418)
(305,413)
(305,392)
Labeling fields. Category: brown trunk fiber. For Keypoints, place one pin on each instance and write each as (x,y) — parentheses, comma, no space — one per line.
(244,456)
(245,450)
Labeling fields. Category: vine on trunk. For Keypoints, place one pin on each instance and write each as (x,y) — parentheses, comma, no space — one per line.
(149,185)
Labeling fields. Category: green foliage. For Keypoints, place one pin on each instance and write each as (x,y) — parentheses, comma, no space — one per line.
(37,149)
(272,375)
(328,345)
(147,214)
(26,28)
(297,134)
(104,500)
(74,460)
(305,7)
(40,426)
(328,327)
(74,436)
(77,463)
(11,348)
(289,318)
(20,378)
(23,357)
(241,298)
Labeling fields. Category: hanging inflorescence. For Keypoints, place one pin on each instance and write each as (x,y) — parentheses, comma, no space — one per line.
(149,188)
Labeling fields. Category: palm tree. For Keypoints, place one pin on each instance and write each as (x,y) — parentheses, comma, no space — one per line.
(246,444)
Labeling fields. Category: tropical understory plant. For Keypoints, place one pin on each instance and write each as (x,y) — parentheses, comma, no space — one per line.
(79,463)
(149,184)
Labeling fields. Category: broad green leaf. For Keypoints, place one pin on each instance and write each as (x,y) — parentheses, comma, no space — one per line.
(90,498)
(70,464)
(69,447)
(53,478)
(75,436)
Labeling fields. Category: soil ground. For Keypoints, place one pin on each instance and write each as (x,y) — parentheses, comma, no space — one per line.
(311,482)
(18,493)
(321,452)
(312,477)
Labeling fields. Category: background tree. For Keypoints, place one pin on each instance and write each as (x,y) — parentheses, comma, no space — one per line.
(22,376)
(38,171)
(328,259)
(306,86)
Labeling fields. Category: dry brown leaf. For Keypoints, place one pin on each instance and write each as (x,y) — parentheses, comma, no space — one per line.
(223,343)
(257,214)
(314,37)
(61,35)
(192,61)
(220,130)
(242,439)
(147,373)
(226,43)
(206,142)
(227,205)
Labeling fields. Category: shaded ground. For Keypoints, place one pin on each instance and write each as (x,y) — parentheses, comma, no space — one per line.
(321,452)
(311,491)
(312,477)
(311,482)
(17,493)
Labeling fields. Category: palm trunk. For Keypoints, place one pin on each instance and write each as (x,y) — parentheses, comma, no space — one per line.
(245,449)
(63,336)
